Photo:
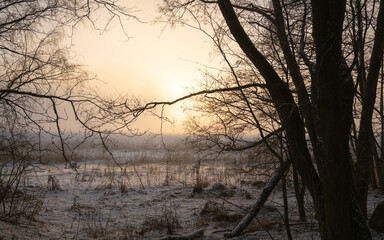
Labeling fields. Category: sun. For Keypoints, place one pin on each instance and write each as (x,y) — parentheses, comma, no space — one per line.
(174,84)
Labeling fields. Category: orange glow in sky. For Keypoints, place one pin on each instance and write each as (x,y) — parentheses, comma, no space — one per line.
(153,64)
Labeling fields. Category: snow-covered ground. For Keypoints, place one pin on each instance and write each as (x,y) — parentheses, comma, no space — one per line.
(148,201)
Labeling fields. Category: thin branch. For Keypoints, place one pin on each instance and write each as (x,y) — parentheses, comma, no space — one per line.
(151,105)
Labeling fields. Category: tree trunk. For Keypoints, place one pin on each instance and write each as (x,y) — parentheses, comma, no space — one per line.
(374,166)
(335,91)
(285,200)
(300,193)
(380,160)
(333,195)
(364,158)
(282,98)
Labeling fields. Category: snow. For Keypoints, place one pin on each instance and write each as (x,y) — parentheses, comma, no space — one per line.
(140,201)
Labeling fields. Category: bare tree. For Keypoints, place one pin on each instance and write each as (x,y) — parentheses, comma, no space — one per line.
(309,57)
(41,87)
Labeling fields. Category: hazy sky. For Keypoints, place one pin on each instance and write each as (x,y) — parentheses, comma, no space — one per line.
(152,64)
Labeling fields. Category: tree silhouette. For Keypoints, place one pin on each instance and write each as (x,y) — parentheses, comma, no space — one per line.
(41,86)
(314,60)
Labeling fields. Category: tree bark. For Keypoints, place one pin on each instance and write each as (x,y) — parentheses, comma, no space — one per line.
(327,24)
(343,218)
(380,163)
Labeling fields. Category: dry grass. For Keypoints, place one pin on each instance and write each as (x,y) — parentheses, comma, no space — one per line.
(113,182)
(24,205)
(53,184)
(95,226)
(167,221)
(18,201)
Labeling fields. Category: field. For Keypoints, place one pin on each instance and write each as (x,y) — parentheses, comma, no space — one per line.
(149,193)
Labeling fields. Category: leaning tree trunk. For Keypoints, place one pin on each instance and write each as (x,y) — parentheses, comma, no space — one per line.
(267,190)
